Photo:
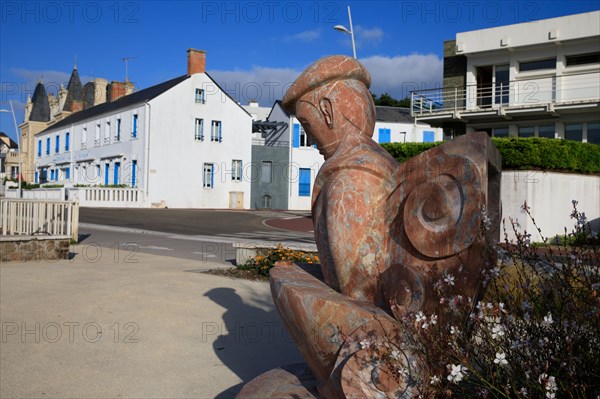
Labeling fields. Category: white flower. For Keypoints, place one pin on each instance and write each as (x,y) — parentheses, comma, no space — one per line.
(421,317)
(551,387)
(395,355)
(365,343)
(497,331)
(434,380)
(548,320)
(457,373)
(433,319)
(500,359)
(454,330)
(523,391)
(449,279)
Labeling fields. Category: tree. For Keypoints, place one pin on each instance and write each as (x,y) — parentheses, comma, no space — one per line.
(386,99)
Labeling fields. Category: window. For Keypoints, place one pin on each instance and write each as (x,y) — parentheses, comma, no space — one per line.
(67,141)
(236,170)
(384,135)
(583,59)
(546,131)
(117,173)
(527,131)
(549,63)
(265,172)
(84,138)
(200,96)
(118,130)
(428,136)
(208,176)
(106,170)
(199,130)
(37,176)
(133,173)
(39,148)
(500,132)
(266,201)
(57,144)
(134,126)
(47,145)
(215,131)
(107,132)
(593,132)
(304,183)
(97,137)
(67,173)
(304,141)
(574,131)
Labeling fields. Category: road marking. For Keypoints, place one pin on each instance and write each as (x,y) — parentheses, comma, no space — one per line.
(155,247)
(205,254)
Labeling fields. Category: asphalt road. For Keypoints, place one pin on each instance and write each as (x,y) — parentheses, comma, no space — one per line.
(178,221)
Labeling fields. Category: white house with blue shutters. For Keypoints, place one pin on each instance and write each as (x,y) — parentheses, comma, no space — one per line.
(183,143)
(304,161)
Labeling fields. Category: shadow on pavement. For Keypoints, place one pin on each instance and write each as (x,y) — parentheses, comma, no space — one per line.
(250,340)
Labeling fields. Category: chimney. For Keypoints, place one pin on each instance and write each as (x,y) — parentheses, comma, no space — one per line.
(253,103)
(196,61)
(115,90)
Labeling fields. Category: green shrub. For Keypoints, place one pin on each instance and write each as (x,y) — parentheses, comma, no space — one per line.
(525,153)
(264,263)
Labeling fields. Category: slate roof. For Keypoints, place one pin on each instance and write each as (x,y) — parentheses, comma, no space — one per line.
(40,110)
(393,114)
(74,90)
(123,102)
(11,143)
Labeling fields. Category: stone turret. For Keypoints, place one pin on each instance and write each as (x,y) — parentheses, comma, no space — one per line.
(74,101)
(40,110)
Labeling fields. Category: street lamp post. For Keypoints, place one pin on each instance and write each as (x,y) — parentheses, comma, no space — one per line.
(20,170)
(342,28)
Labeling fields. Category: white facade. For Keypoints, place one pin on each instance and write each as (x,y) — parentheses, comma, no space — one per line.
(167,156)
(538,78)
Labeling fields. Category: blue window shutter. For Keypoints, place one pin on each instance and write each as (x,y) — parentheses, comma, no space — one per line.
(133,170)
(67,141)
(384,135)
(220,130)
(37,176)
(39,148)
(116,173)
(67,173)
(296,136)
(106,169)
(135,120)
(304,183)
(428,136)
(212,176)
(57,144)
(47,145)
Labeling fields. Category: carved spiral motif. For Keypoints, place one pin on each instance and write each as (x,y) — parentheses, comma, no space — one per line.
(438,219)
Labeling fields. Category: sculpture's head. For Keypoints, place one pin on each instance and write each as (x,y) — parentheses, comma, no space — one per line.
(331,99)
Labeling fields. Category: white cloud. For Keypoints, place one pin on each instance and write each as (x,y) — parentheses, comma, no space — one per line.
(306,36)
(400,74)
(368,35)
(395,75)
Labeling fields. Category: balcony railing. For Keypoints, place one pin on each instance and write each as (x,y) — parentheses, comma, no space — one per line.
(521,93)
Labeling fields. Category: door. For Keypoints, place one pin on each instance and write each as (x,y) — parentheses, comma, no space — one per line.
(501,84)
(116,173)
(484,85)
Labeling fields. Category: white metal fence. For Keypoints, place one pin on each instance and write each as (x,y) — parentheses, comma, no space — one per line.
(39,217)
(57,194)
(530,92)
(113,197)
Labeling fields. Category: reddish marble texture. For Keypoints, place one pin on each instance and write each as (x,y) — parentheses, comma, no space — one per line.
(386,233)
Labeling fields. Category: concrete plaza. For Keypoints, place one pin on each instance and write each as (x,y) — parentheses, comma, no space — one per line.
(117,324)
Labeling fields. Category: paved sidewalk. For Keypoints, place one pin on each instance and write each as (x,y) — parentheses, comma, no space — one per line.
(146,327)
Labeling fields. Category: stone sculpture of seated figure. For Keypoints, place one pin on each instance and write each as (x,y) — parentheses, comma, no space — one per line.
(386,234)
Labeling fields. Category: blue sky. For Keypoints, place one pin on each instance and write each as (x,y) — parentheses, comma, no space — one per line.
(254,49)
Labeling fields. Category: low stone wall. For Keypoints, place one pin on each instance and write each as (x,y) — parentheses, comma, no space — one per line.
(247,251)
(28,248)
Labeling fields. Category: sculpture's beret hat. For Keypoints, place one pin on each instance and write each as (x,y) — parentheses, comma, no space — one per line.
(321,72)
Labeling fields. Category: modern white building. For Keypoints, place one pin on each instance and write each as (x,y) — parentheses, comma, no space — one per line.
(539,78)
(286,163)
(183,143)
